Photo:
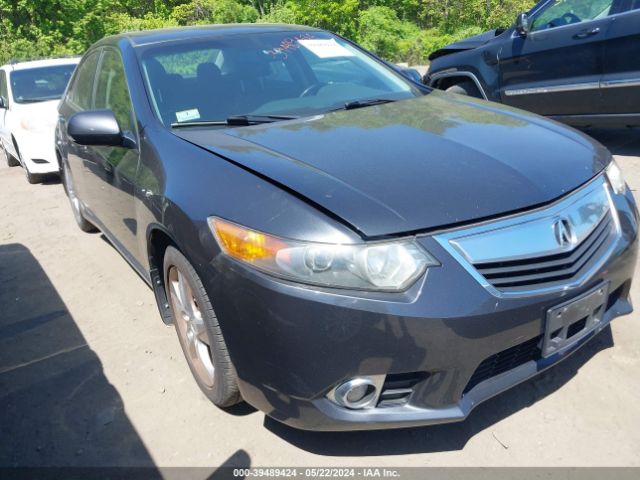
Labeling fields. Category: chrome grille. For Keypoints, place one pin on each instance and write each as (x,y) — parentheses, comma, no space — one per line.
(554,248)
(552,269)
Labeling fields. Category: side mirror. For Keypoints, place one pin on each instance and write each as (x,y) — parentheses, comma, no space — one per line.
(96,128)
(3,103)
(412,74)
(523,25)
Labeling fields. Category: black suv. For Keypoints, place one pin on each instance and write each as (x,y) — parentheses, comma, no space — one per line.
(577,61)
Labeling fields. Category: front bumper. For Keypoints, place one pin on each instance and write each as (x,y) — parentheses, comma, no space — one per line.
(38,151)
(291,344)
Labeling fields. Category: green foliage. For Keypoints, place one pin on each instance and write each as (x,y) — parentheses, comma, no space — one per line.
(280,12)
(381,29)
(398,30)
(213,11)
(338,16)
(121,22)
(452,15)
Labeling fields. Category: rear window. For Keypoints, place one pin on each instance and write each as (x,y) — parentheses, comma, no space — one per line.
(186,64)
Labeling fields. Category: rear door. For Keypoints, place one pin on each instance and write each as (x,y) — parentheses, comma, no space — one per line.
(556,69)
(621,80)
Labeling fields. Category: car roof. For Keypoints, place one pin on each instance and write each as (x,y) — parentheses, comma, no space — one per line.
(148,37)
(50,62)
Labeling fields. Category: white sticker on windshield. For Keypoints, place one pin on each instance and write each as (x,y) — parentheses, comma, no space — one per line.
(188,115)
(326,48)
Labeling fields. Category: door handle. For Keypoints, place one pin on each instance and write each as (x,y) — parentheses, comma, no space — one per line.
(108,168)
(587,33)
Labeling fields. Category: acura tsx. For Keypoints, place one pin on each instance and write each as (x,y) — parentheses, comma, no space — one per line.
(336,245)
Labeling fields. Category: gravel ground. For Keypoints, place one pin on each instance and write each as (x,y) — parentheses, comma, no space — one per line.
(90,376)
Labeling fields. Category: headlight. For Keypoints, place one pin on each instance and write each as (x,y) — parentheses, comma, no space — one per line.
(35,124)
(388,266)
(616,179)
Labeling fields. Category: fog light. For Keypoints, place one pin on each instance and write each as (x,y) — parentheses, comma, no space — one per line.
(357,393)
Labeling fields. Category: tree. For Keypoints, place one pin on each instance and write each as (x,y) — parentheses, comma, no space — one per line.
(396,29)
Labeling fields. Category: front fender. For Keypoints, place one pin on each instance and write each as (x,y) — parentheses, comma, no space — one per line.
(480,64)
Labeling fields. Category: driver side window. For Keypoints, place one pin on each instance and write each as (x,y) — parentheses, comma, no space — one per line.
(566,12)
(112,91)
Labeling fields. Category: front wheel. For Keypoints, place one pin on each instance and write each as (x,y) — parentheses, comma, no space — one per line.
(11,162)
(32,178)
(76,205)
(199,332)
(467,88)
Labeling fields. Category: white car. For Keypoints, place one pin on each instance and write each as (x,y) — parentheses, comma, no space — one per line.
(29,97)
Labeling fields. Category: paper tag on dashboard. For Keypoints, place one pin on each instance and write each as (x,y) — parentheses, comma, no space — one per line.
(326,48)
(188,115)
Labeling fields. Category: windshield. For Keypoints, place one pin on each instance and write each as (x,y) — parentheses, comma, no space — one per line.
(40,84)
(268,74)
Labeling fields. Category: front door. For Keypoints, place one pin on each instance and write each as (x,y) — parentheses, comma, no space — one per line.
(80,99)
(556,69)
(621,81)
(116,167)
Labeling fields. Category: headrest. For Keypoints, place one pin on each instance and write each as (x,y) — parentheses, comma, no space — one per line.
(155,70)
(208,71)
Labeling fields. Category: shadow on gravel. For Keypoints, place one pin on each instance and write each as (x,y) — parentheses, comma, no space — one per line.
(52,180)
(57,408)
(442,438)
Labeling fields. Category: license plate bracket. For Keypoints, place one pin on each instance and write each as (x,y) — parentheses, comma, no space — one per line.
(569,322)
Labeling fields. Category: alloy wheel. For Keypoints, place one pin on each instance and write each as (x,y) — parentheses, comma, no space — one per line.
(190,326)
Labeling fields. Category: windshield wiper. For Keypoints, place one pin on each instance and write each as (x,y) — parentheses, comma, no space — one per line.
(366,103)
(235,121)
(244,120)
(36,100)
(204,123)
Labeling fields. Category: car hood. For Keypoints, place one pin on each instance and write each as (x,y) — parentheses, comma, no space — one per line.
(414,165)
(44,112)
(467,43)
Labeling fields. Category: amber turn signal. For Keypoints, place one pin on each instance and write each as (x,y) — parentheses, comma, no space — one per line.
(245,244)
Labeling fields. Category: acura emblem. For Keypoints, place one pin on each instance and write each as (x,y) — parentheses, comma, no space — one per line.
(563,231)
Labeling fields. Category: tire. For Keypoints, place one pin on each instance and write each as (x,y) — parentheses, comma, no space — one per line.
(465,88)
(199,332)
(11,162)
(32,178)
(76,205)
(3,154)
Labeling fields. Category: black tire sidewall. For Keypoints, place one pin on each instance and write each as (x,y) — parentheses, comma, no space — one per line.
(11,162)
(464,88)
(224,391)
(32,178)
(84,224)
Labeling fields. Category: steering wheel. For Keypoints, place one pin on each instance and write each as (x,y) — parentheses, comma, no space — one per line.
(311,90)
(570,18)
